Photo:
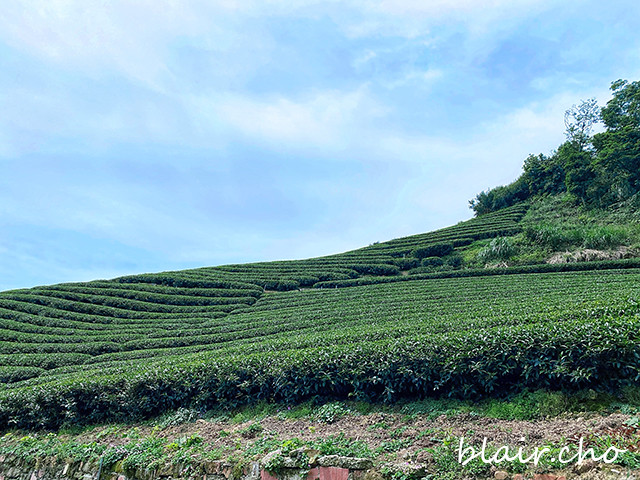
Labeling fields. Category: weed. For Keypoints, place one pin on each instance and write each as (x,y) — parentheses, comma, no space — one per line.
(331,412)
(342,445)
(180,416)
(251,431)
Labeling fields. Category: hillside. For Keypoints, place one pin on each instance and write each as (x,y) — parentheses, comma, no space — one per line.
(425,315)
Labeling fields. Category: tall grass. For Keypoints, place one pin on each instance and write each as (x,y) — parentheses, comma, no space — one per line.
(556,237)
(499,249)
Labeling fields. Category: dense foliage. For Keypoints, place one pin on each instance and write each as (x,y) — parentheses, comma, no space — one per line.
(597,170)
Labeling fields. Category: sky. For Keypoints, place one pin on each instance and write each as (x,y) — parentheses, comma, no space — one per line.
(144,136)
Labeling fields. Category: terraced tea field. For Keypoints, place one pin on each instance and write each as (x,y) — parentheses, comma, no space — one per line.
(136,346)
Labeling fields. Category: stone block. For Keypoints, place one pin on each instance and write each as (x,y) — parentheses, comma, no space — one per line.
(313,474)
(333,473)
(264,475)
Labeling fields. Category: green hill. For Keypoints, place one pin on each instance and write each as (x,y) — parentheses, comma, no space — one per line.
(468,311)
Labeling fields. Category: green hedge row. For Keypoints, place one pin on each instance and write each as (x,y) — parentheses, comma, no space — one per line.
(22,307)
(113,306)
(91,348)
(46,361)
(436,250)
(176,280)
(120,298)
(542,268)
(16,374)
(376,269)
(571,355)
(115,289)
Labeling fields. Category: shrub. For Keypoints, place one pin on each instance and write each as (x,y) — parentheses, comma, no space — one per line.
(432,262)
(406,263)
(307,280)
(15,374)
(437,250)
(427,272)
(376,269)
(462,242)
(180,416)
(282,285)
(454,261)
(569,357)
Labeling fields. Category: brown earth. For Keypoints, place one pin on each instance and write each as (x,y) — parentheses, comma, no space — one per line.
(376,429)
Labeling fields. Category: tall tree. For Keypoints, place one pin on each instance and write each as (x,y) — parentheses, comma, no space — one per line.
(579,121)
(618,148)
(623,110)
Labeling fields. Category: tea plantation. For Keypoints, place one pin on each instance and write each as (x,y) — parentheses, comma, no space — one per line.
(413,317)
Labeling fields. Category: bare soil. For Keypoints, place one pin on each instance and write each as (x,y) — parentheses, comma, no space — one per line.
(377,428)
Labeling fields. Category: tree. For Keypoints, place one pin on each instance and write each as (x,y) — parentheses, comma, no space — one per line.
(618,149)
(577,167)
(579,121)
(544,175)
(623,110)
(598,170)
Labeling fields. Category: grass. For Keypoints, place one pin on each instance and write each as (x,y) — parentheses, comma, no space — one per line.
(561,223)
(524,406)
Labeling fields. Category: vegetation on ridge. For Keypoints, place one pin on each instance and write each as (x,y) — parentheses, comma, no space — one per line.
(598,170)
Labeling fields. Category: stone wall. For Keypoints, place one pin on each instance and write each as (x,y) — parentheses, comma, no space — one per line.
(331,467)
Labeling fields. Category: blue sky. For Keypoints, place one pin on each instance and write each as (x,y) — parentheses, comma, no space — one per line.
(141,136)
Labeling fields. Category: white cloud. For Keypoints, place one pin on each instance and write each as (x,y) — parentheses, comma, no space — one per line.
(128,37)
(415,18)
(325,119)
(436,9)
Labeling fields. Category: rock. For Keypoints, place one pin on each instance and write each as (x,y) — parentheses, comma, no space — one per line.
(584,467)
(313,474)
(298,462)
(212,467)
(373,475)
(89,466)
(269,457)
(313,456)
(501,475)
(352,463)
(405,470)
